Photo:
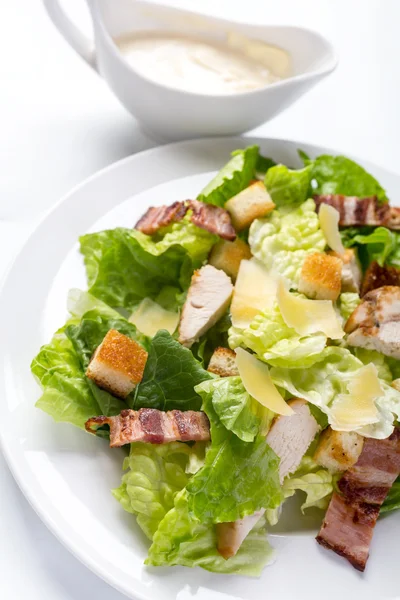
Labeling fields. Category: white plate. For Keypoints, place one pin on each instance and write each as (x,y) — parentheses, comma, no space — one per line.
(67,475)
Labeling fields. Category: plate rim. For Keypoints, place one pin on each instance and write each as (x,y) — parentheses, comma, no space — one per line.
(29,493)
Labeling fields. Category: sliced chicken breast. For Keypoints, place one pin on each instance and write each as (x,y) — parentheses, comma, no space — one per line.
(208,298)
(375,324)
(289,437)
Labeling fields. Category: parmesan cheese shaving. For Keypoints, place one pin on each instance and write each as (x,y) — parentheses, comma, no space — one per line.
(255,291)
(308,316)
(150,317)
(329,223)
(258,383)
(357,408)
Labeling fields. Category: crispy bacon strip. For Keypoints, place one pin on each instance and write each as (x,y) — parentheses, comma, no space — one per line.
(377,276)
(153,426)
(161,216)
(207,216)
(350,519)
(212,218)
(356,211)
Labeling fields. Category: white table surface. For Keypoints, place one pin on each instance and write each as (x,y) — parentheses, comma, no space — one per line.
(59,123)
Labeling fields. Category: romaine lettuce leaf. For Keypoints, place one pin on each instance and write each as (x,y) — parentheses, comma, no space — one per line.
(234,177)
(348,302)
(392,500)
(379,360)
(60,365)
(234,407)
(276,343)
(283,240)
(381,245)
(195,240)
(312,479)
(155,474)
(325,381)
(183,540)
(124,266)
(238,478)
(170,376)
(66,392)
(288,187)
(263,165)
(340,175)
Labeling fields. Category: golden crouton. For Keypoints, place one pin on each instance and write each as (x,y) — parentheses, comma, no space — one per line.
(228,256)
(252,203)
(351,270)
(321,277)
(338,450)
(223,363)
(118,364)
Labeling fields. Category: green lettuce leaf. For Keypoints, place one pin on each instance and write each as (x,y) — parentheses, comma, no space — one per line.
(195,240)
(312,479)
(66,392)
(380,244)
(170,376)
(348,302)
(218,494)
(340,175)
(263,165)
(276,343)
(155,474)
(233,405)
(379,360)
(182,540)
(234,177)
(325,381)
(288,187)
(60,365)
(124,266)
(282,240)
(392,500)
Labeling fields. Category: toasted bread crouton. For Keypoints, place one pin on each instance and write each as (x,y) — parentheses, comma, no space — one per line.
(208,298)
(228,256)
(321,277)
(351,270)
(223,363)
(377,276)
(118,364)
(338,450)
(252,203)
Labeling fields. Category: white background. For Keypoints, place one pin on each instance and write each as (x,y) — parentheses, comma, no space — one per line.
(59,123)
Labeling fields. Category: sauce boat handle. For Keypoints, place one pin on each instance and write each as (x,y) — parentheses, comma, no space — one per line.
(70,32)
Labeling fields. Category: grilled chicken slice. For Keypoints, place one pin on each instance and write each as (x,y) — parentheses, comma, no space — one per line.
(153,426)
(375,324)
(208,298)
(377,276)
(289,437)
(350,519)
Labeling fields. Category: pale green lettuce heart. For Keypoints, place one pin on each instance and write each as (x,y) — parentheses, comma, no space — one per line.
(283,240)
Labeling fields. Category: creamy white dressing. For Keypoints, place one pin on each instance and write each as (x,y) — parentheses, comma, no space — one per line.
(203,66)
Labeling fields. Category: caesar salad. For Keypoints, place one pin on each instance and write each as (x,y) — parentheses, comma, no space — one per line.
(242,347)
